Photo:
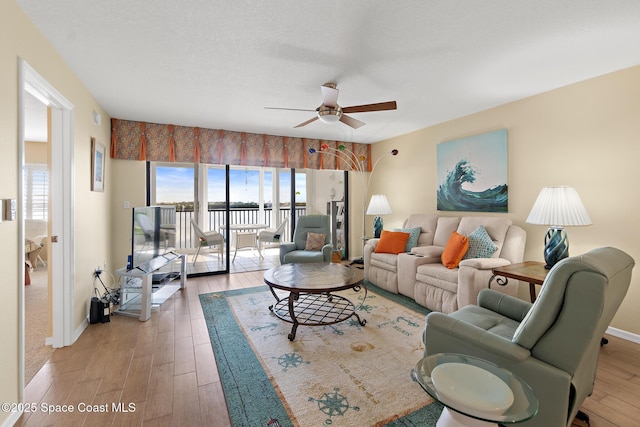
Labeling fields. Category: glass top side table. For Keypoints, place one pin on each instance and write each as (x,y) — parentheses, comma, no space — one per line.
(475,392)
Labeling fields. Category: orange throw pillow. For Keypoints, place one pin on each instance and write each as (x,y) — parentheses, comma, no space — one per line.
(454,251)
(392,242)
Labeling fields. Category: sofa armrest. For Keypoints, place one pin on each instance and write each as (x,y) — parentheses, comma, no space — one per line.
(368,248)
(432,253)
(285,248)
(485,263)
(474,275)
(441,328)
(408,264)
(373,243)
(506,305)
(327,252)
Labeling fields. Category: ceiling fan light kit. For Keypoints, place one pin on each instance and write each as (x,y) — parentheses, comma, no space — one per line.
(331,112)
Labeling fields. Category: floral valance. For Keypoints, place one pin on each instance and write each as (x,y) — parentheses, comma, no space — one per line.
(132,140)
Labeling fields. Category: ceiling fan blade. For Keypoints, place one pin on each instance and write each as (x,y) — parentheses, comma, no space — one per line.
(313,119)
(380,106)
(350,121)
(287,109)
(329,94)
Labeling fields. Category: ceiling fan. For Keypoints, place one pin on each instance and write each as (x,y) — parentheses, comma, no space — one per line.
(331,112)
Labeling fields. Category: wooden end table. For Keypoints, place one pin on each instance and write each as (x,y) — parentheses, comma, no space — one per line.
(533,272)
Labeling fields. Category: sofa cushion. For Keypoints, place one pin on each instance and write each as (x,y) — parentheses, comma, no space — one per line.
(454,251)
(386,261)
(300,256)
(446,225)
(414,235)
(439,276)
(427,223)
(392,242)
(487,320)
(480,244)
(315,241)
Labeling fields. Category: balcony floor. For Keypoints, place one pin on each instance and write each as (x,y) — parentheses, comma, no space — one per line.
(246,260)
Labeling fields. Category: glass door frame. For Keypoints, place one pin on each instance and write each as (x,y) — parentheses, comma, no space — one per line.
(199,203)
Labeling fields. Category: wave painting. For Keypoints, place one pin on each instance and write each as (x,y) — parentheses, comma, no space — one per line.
(472,174)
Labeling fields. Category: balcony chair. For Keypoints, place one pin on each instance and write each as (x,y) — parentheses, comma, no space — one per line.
(207,239)
(299,251)
(552,344)
(148,230)
(271,236)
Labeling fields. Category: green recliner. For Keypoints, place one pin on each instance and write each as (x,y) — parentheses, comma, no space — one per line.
(552,344)
(295,252)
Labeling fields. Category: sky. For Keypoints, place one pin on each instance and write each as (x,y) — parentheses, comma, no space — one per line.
(175,184)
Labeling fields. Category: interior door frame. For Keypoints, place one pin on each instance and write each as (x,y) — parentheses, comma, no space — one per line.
(62,213)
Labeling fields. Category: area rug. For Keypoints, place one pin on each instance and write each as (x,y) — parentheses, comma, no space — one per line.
(340,375)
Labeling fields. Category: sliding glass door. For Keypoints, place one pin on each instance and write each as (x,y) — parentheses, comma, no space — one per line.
(237,202)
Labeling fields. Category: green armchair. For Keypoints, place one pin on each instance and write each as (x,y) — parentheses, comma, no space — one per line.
(295,251)
(552,344)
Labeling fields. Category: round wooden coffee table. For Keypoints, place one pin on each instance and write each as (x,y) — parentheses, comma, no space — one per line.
(310,300)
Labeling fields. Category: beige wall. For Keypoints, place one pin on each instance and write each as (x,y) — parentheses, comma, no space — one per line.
(129,185)
(20,39)
(585,135)
(36,153)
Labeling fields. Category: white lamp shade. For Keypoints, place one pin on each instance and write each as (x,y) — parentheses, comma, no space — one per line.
(560,206)
(378,205)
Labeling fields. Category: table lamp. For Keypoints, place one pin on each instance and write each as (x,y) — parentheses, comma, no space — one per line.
(557,207)
(378,205)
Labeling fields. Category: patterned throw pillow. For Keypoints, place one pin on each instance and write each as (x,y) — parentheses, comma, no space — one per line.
(315,241)
(480,244)
(414,235)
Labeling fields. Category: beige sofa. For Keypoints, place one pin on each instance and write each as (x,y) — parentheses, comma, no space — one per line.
(420,275)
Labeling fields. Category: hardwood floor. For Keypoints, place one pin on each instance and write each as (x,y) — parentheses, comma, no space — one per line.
(164,373)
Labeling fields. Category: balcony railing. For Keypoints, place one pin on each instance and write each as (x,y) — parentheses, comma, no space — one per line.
(216,219)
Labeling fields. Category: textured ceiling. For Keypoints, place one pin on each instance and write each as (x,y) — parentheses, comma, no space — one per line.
(217,64)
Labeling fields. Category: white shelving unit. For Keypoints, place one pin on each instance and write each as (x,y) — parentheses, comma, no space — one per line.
(137,293)
(336,210)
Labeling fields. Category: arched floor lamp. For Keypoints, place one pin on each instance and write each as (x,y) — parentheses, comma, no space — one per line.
(356,164)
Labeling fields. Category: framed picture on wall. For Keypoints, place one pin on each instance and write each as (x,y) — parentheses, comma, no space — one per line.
(97,165)
(472,173)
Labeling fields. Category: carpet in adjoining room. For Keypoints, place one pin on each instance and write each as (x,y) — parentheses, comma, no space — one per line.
(341,375)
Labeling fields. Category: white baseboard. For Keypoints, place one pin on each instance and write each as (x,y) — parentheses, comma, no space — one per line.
(623,334)
(76,334)
(12,420)
(80,329)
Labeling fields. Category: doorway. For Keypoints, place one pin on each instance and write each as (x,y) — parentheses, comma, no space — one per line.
(60,209)
(35,172)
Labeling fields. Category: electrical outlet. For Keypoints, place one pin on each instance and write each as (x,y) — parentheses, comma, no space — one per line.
(126,204)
